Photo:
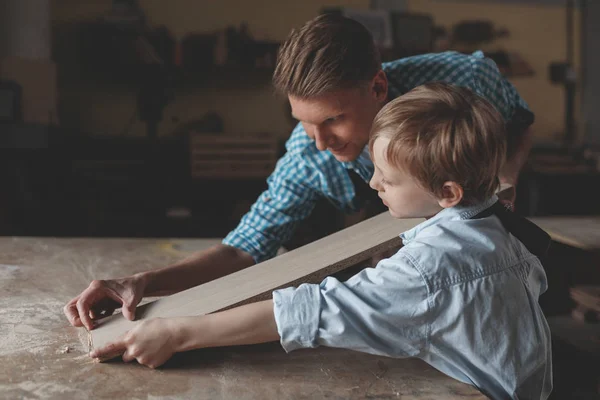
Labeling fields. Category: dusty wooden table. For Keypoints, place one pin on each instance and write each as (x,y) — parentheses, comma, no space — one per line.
(38,276)
(578,231)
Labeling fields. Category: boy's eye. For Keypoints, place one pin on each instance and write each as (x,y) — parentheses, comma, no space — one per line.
(384,182)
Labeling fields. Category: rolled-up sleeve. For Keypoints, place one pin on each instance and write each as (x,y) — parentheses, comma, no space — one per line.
(289,198)
(382,310)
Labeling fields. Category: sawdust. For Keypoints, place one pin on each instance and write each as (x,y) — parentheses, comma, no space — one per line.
(8,271)
(64,350)
(31,322)
(40,389)
(27,325)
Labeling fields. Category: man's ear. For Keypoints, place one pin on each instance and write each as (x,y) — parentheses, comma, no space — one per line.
(452,194)
(379,86)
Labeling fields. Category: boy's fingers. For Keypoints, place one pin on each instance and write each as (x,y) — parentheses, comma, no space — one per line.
(128,357)
(110,350)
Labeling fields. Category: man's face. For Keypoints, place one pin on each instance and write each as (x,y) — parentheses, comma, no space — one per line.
(404,197)
(340,121)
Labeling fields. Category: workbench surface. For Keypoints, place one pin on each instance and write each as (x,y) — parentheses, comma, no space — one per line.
(578,231)
(42,356)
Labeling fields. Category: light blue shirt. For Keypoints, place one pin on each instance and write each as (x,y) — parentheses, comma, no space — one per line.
(461,294)
(305,174)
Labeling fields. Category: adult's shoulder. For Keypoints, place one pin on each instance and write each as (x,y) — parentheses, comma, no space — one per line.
(450,66)
(428,59)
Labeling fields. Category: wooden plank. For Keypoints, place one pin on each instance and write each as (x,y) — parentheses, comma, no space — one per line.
(580,232)
(310,263)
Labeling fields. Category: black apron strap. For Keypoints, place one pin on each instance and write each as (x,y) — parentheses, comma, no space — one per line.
(532,236)
(365,195)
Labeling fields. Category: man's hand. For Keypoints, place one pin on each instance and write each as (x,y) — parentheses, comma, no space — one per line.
(102,297)
(507,194)
(151,343)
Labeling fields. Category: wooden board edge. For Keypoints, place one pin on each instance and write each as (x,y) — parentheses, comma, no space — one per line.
(313,277)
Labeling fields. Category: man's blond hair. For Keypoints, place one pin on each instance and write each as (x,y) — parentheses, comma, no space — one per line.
(440,132)
(328,53)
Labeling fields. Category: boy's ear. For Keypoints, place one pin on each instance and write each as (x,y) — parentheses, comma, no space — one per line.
(452,194)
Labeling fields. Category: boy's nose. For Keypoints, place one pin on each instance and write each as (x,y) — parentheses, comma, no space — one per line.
(373,184)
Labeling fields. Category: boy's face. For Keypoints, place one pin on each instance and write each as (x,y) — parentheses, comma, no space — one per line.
(398,190)
(341,121)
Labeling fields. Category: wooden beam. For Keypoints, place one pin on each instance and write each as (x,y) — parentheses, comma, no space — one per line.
(309,263)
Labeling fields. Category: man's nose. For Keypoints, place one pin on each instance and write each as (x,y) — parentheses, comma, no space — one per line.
(322,139)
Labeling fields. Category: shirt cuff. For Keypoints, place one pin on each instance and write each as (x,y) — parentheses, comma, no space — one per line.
(297,314)
(252,242)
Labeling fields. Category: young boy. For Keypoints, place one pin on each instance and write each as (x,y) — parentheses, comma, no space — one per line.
(461,294)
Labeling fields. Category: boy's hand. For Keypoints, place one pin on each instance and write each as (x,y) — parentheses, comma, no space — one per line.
(102,297)
(150,342)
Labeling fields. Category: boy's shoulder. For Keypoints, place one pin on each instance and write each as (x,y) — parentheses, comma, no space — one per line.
(460,249)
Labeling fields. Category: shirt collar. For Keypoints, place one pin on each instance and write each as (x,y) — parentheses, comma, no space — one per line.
(363,159)
(448,214)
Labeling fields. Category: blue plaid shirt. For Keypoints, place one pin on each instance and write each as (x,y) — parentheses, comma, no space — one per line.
(304,173)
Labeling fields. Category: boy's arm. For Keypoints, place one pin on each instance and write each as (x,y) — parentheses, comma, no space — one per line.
(154,341)
(248,324)
(382,310)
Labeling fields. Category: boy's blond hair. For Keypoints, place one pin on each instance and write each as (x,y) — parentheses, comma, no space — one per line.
(440,132)
(328,53)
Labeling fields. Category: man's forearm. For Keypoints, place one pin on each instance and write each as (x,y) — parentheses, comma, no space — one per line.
(202,267)
(248,324)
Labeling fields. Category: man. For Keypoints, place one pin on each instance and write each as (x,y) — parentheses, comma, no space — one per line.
(331,72)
